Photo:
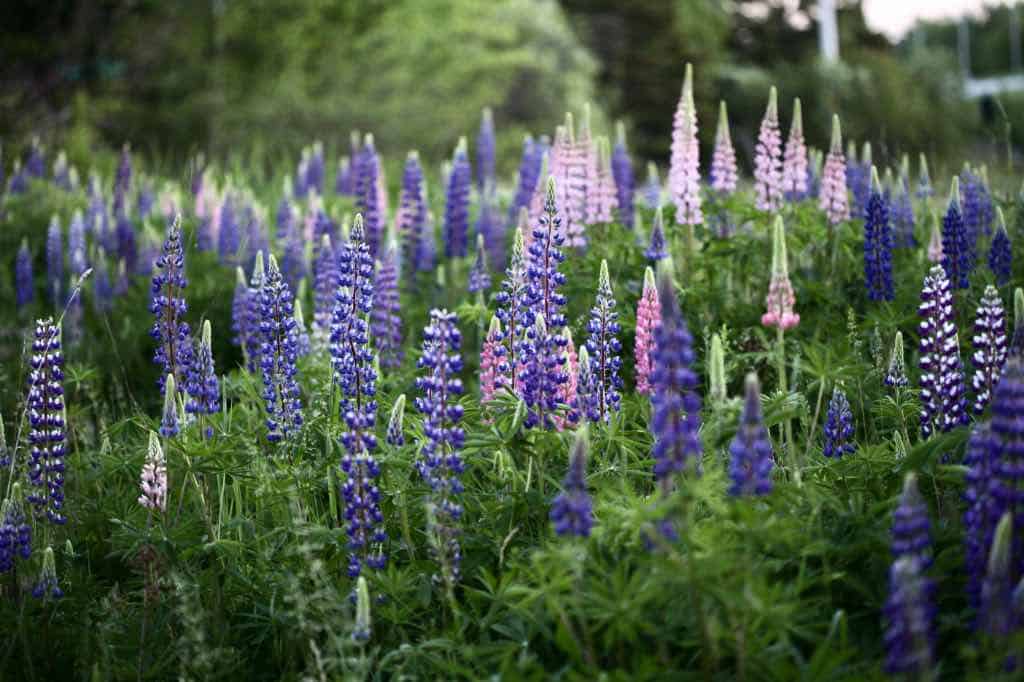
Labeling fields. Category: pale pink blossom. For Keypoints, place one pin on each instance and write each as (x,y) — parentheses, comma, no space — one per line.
(684,170)
(833,199)
(780,299)
(154,477)
(493,363)
(648,317)
(604,198)
(768,158)
(794,161)
(723,163)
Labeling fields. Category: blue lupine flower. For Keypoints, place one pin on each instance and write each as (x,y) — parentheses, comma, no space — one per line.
(990,347)
(77,259)
(15,532)
(943,394)
(229,238)
(97,221)
(911,529)
(252,314)
(47,429)
(167,303)
(604,347)
(24,284)
(751,449)
(983,507)
(586,403)
(1008,455)
(145,199)
(902,210)
(956,249)
(530,165)
(479,275)
(386,317)
(285,216)
(325,285)
(240,331)
(910,620)
(277,356)
(878,244)
(839,426)
(55,262)
(485,161)
(293,262)
(572,511)
(412,215)
(396,434)
(256,240)
(515,316)
(1000,252)
(622,172)
(456,210)
(858,179)
(170,420)
(47,586)
(896,374)
(440,463)
(349,180)
(657,249)
(305,346)
(127,250)
(978,210)
(368,201)
(203,386)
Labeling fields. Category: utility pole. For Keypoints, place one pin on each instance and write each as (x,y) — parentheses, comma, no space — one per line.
(828,31)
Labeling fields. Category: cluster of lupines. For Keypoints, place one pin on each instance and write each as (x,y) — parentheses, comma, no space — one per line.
(990,347)
(768,159)
(278,355)
(723,175)
(456,211)
(878,244)
(170,331)
(202,385)
(386,318)
(751,449)
(943,399)
(440,462)
(622,172)
(838,426)
(648,317)
(603,346)
(46,422)
(572,511)
(832,197)
(684,170)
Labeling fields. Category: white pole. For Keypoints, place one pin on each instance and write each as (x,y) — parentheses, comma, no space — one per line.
(828,30)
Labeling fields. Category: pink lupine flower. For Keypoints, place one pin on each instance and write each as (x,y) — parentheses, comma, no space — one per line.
(567,168)
(780,299)
(493,363)
(604,198)
(794,160)
(684,171)
(154,477)
(648,317)
(768,159)
(723,162)
(935,252)
(832,198)
(587,157)
(567,392)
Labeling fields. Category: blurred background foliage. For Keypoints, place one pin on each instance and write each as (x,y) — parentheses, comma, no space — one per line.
(265,76)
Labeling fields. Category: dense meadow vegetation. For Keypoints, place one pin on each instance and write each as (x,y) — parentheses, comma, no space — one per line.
(322,423)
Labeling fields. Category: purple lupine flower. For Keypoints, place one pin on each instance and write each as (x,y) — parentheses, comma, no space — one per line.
(170,420)
(256,237)
(145,199)
(604,347)
(657,249)
(47,429)
(494,366)
(396,432)
(878,243)
(858,178)
(675,417)
(122,181)
(343,176)
(293,261)
(768,159)
(97,220)
(545,256)
(542,373)
(35,164)
(252,315)
(428,244)
(1008,453)
(229,239)
(902,208)
(485,174)
(572,511)
(479,275)
(277,356)
(285,209)
(1000,253)
(838,426)
(412,214)
(153,481)
(15,531)
(983,507)
(386,317)
(978,209)
(832,197)
(356,377)
(723,174)
(322,223)
(510,300)
(529,176)
(567,169)
(369,201)
(240,331)
(943,399)
(602,200)
(24,284)
(998,609)
(622,173)
(456,210)
(585,403)
(440,463)
(315,169)
(924,181)
(348,182)
(990,347)
(751,449)
(55,262)
(170,331)
(911,529)
(910,620)
(956,249)
(202,384)
(684,170)
(794,158)
(47,586)
(18,183)
(325,284)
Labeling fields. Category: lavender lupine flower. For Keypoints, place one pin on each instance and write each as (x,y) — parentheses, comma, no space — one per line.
(1000,253)
(978,210)
(512,312)
(229,238)
(983,507)
(369,201)
(325,284)
(396,432)
(997,608)
(167,303)
(542,373)
(911,529)
(428,245)
(386,318)
(46,422)
(456,212)
(494,365)
(924,181)
(723,175)
(675,418)
(122,181)
(956,249)
(239,311)
(943,399)
(479,275)
(24,284)
(55,262)
(751,450)
(440,463)
(277,355)
(878,243)
(604,348)
(794,158)
(285,208)
(910,620)
(896,373)
(529,177)
(990,347)
(838,426)
(170,419)
(780,299)
(485,174)
(153,481)
(684,171)
(657,249)
(47,586)
(15,531)
(569,172)
(652,187)
(343,176)
(572,511)
(315,169)
(768,159)
(412,214)
(1008,453)
(602,199)
(203,386)
(833,198)
(648,317)
(622,173)
(293,262)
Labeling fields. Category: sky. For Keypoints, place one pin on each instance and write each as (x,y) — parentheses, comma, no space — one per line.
(895,17)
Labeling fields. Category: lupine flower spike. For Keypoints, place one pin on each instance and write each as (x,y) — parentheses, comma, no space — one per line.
(934,253)
(794,159)
(878,243)
(911,529)
(780,299)
(832,197)
(996,609)
(494,365)
(684,171)
(396,420)
(723,174)
(479,275)
(657,248)
(15,531)
(55,262)
(362,628)
(990,347)
(572,511)
(652,188)
(896,373)
(956,250)
(924,181)
(47,586)
(604,347)
(1000,254)
(386,318)
(47,428)
(485,174)
(412,215)
(943,400)
(172,335)
(751,449)
(838,426)
(203,386)
(768,159)
(511,309)
(170,417)
(622,172)
(153,483)
(983,506)
(277,356)
(910,620)
(604,199)
(648,317)
(456,212)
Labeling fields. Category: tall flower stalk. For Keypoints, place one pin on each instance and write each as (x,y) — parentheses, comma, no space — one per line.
(751,449)
(832,197)
(768,158)
(943,400)
(990,347)
(878,243)
(723,175)
(386,316)
(278,355)
(171,333)
(794,158)
(622,172)
(511,309)
(456,211)
(47,425)
(684,170)
(779,307)
(648,317)
(203,387)
(572,511)
(604,348)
